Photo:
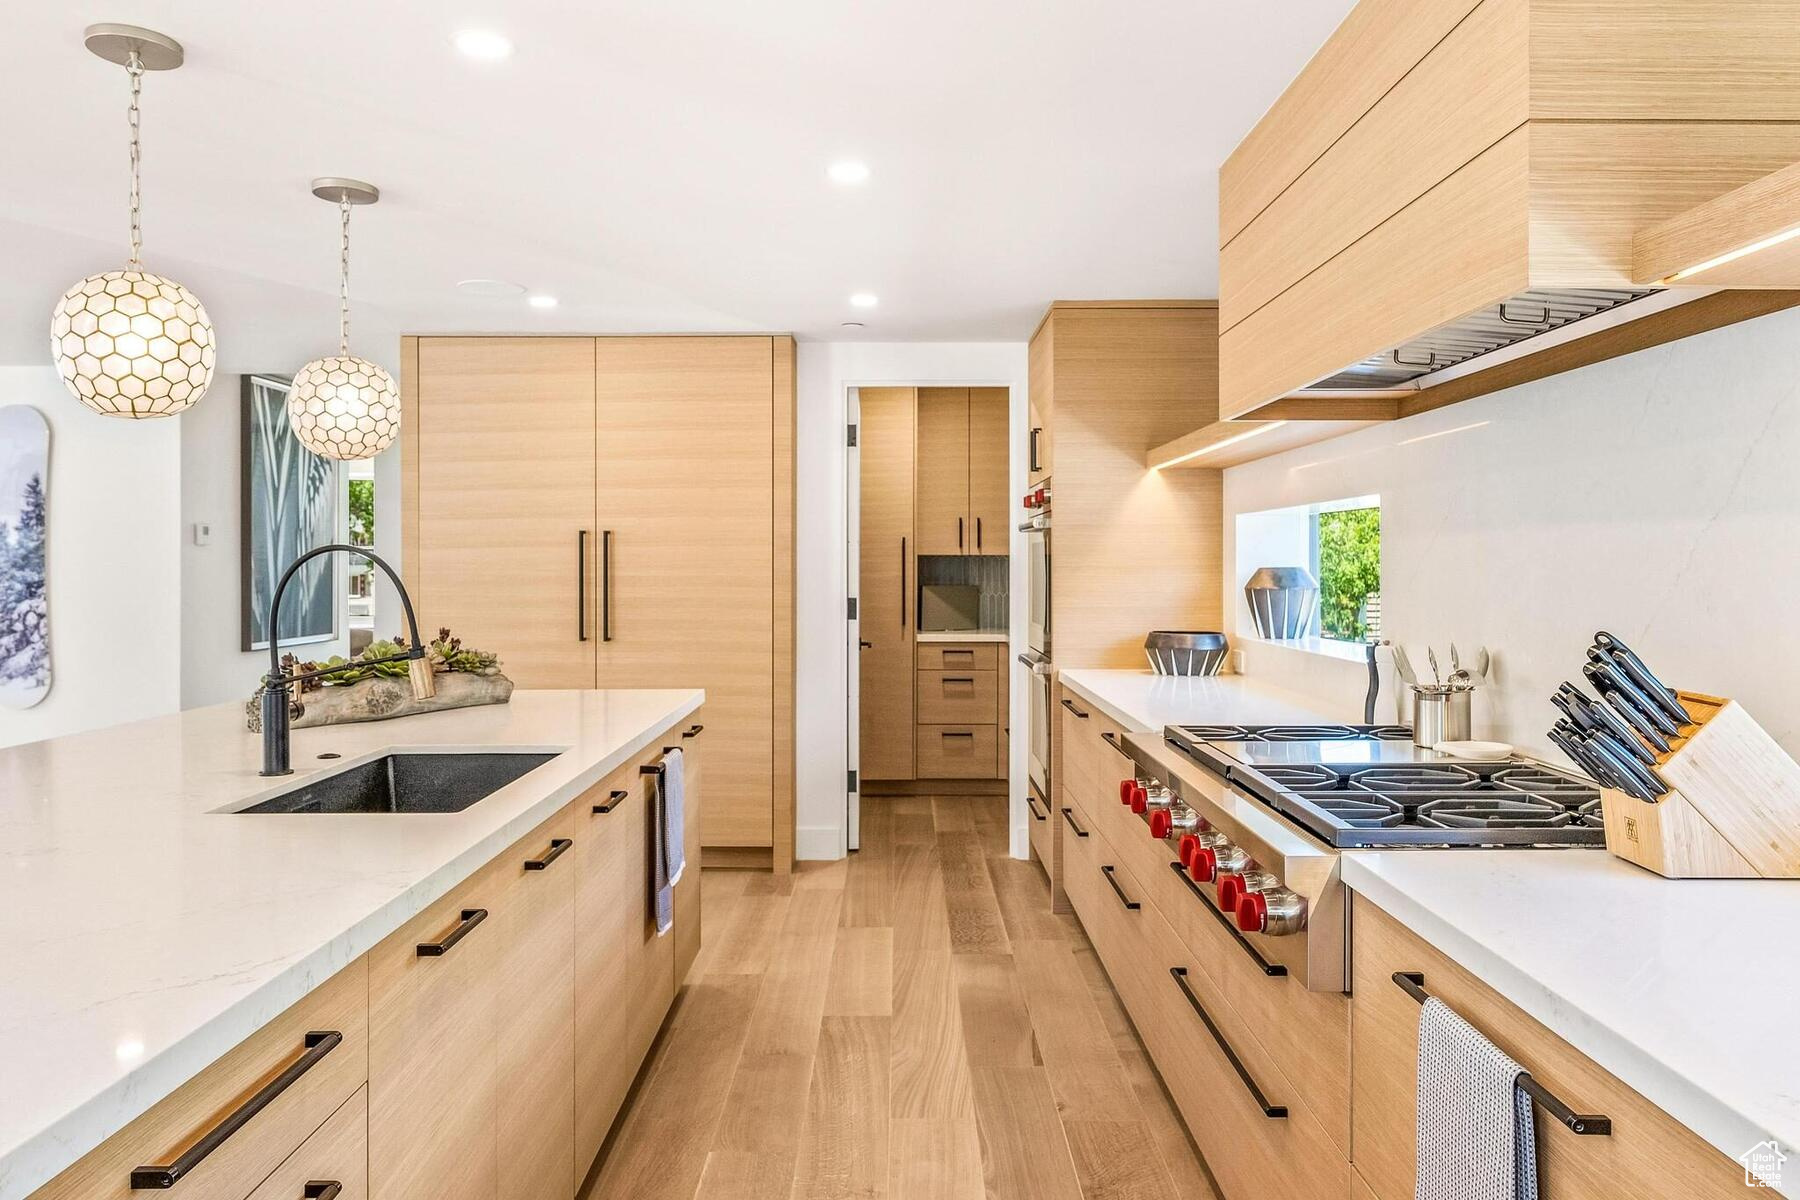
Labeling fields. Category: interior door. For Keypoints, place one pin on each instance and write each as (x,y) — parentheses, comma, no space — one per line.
(884,602)
(685,512)
(990,495)
(506,502)
(941,506)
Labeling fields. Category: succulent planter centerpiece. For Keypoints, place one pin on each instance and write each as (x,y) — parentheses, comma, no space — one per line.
(464,677)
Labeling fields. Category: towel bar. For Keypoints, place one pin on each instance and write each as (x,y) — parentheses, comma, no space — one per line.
(1591,1124)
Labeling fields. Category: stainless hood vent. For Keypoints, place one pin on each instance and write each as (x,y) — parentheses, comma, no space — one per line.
(1524,316)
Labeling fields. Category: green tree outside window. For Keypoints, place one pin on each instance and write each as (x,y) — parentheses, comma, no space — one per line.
(1349,570)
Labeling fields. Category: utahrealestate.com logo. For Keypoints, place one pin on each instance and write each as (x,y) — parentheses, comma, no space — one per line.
(1762,1164)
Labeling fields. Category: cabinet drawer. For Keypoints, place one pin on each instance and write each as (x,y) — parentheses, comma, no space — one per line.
(959,697)
(337,1153)
(245,1158)
(1647,1154)
(1041,828)
(958,656)
(958,751)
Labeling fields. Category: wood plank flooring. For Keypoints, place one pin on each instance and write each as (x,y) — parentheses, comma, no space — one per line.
(910,1024)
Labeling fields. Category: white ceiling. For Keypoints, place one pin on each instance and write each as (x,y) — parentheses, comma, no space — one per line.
(655,165)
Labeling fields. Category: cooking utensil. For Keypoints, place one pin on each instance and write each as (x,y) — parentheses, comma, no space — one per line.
(1374,685)
(1431,657)
(1574,703)
(1634,668)
(1403,664)
(1612,723)
(1606,677)
(1567,737)
(1633,777)
(1645,728)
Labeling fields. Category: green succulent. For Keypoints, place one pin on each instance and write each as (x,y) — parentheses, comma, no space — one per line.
(445,654)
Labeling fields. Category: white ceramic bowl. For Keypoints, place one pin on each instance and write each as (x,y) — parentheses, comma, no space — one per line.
(1475,751)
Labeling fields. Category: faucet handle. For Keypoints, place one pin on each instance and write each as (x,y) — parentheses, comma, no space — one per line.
(418,673)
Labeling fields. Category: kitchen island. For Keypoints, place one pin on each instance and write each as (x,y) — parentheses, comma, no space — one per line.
(148,933)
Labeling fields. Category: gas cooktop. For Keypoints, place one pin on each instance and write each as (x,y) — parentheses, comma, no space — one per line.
(1358,786)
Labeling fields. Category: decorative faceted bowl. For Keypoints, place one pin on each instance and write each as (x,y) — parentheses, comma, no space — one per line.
(132,344)
(344,408)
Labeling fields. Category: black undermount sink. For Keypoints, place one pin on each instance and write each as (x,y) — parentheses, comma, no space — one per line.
(407,783)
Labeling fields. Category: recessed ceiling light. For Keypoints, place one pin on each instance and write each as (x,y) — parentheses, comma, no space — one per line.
(849,172)
(863,300)
(498,289)
(483,44)
(542,302)
(851,324)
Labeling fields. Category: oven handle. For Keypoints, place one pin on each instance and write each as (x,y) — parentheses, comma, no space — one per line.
(1275,1112)
(1039,666)
(1591,1124)
(1273,970)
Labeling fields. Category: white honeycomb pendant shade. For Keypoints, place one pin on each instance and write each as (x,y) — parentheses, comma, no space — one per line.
(344,408)
(132,344)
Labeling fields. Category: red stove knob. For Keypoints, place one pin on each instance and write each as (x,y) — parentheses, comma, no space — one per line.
(1186,847)
(1252,912)
(1203,864)
(1140,798)
(1161,822)
(1040,496)
(1231,890)
(1126,787)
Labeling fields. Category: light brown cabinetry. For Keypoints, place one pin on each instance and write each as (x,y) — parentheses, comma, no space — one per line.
(941,494)
(1648,1153)
(962,711)
(990,494)
(618,512)
(337,1153)
(886,582)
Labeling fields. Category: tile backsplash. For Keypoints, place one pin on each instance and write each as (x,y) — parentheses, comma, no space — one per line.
(986,572)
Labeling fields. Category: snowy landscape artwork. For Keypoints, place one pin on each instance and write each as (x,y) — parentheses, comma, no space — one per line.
(24,607)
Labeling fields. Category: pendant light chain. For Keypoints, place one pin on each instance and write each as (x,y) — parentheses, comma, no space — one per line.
(135,68)
(344,276)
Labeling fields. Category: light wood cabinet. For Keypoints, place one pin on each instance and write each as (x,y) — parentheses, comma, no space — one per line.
(338,1152)
(624,973)
(618,512)
(502,443)
(688,893)
(958,751)
(990,492)
(886,584)
(941,491)
(535,1116)
(1040,433)
(1648,1153)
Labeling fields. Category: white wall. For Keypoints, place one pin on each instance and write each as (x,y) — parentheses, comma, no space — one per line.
(214,667)
(1655,496)
(114,575)
(824,371)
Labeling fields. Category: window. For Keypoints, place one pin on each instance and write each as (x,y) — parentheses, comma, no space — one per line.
(359,511)
(1346,544)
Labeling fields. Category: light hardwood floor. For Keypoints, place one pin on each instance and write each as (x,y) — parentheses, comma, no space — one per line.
(912,1022)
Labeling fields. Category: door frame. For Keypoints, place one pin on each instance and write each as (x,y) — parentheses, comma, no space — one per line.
(1018,720)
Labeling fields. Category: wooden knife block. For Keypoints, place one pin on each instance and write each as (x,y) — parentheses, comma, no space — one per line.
(1734,812)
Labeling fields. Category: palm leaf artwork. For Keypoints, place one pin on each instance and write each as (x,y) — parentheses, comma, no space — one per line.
(291,505)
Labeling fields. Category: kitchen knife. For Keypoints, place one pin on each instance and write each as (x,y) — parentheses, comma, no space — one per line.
(1605,675)
(1639,721)
(1638,673)
(1563,735)
(1645,784)
(1574,704)
(1629,744)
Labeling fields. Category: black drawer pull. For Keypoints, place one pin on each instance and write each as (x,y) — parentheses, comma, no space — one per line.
(318,1044)
(1070,705)
(1275,1112)
(613,800)
(959,679)
(471,917)
(957,733)
(1031,803)
(322,1189)
(692,731)
(557,846)
(1262,964)
(1069,816)
(1116,742)
(1591,1124)
(1127,901)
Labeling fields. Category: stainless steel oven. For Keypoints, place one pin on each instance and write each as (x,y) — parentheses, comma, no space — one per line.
(1037,657)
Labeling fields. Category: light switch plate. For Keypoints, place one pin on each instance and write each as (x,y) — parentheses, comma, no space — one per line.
(202,533)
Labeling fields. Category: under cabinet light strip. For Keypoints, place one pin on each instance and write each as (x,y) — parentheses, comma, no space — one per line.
(1233,440)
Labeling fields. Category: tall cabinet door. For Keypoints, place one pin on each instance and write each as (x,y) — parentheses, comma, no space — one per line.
(505,508)
(885,584)
(686,508)
(990,496)
(941,507)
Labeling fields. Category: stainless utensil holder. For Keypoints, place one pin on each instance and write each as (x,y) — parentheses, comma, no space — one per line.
(1441,714)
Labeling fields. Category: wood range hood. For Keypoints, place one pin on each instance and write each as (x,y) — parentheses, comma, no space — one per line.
(1455,197)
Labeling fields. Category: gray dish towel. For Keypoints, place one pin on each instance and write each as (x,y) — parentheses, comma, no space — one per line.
(1477,1138)
(669,838)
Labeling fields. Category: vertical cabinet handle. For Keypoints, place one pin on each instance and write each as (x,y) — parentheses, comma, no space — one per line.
(977,535)
(959,533)
(1275,1112)
(471,917)
(557,847)
(581,585)
(606,540)
(318,1044)
(1034,449)
(903,585)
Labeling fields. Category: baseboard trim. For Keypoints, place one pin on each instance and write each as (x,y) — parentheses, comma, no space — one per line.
(934,787)
(737,858)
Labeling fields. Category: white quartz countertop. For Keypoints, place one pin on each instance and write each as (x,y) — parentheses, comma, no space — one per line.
(1685,989)
(1143,700)
(963,635)
(145,933)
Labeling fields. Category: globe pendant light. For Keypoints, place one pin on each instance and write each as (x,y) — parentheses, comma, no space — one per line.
(343,407)
(129,343)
